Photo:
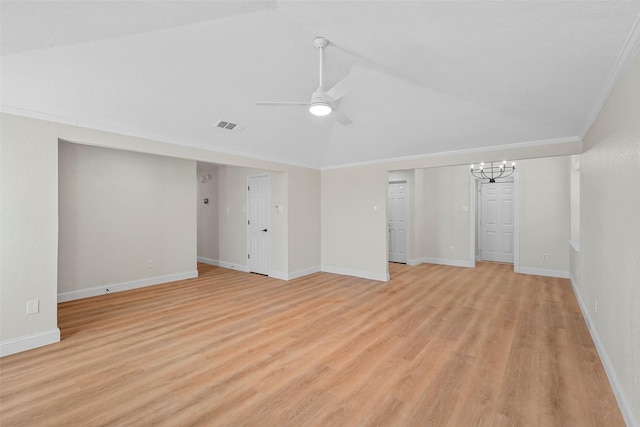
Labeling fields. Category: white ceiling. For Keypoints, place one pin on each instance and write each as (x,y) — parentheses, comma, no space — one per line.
(433,76)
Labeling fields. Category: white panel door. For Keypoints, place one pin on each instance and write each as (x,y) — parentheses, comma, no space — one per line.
(258,241)
(497,222)
(398,215)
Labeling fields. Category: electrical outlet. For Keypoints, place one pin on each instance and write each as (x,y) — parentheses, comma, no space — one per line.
(453,248)
(33,306)
(149,263)
(545,257)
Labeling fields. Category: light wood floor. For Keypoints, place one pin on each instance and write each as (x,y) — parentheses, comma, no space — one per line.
(436,345)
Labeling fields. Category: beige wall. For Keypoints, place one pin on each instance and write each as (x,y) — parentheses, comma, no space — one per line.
(207,213)
(294,214)
(303,215)
(232,218)
(446,225)
(545,215)
(29,216)
(419,229)
(232,215)
(117,211)
(351,226)
(28,235)
(352,206)
(279,227)
(354,221)
(607,267)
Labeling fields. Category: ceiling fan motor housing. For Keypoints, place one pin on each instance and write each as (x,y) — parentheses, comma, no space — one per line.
(320,104)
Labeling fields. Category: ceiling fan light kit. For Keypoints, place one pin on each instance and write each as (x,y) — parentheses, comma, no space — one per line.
(321,103)
(320,108)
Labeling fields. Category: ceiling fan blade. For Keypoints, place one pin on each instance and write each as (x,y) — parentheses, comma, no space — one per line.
(341,117)
(341,88)
(282,103)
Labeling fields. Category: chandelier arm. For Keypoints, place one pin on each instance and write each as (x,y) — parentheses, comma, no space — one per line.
(492,172)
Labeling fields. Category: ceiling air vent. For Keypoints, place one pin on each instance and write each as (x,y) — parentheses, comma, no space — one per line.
(228,125)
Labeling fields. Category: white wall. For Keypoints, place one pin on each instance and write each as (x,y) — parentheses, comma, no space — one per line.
(117,211)
(607,267)
(207,213)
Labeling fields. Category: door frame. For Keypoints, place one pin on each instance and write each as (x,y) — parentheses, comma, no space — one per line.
(268,213)
(473,220)
(409,216)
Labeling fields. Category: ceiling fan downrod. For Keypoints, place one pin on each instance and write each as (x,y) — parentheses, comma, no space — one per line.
(321,43)
(320,105)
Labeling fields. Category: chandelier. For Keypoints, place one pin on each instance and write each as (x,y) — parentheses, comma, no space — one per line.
(493,172)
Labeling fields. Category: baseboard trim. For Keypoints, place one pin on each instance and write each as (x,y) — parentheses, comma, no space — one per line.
(232,266)
(208,261)
(29,342)
(224,264)
(305,272)
(441,261)
(278,275)
(124,286)
(275,274)
(623,403)
(543,272)
(355,273)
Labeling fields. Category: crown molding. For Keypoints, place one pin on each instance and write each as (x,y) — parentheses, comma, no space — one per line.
(488,150)
(7,109)
(479,150)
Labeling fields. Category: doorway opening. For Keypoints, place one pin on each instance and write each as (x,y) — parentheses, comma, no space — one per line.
(258,224)
(398,221)
(496,226)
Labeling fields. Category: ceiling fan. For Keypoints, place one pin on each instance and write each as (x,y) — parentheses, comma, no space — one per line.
(322,101)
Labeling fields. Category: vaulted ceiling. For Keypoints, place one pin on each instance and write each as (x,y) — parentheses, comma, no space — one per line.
(431,77)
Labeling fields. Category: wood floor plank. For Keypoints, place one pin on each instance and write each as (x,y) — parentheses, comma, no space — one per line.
(436,345)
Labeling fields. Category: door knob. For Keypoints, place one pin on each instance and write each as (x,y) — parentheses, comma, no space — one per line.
(264,230)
